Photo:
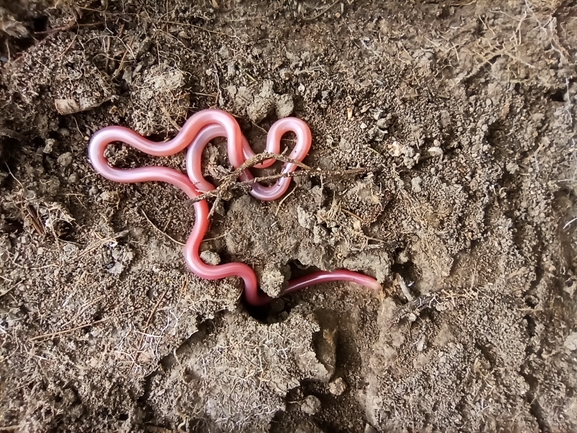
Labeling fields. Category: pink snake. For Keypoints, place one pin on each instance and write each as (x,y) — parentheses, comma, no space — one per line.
(195,134)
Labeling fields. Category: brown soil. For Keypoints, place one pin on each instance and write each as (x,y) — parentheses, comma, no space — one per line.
(463,115)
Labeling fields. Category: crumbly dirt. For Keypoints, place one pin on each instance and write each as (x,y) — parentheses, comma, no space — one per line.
(461,113)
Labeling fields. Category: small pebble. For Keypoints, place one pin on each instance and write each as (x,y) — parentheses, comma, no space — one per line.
(65,159)
(395,149)
(49,146)
(402,257)
(435,151)
(285,74)
(416,184)
(224,52)
(571,341)
(382,123)
(230,69)
(311,405)
(109,197)
(421,343)
(210,258)
(284,106)
(337,386)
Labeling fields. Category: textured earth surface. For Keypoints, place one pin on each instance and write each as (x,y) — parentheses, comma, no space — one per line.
(461,115)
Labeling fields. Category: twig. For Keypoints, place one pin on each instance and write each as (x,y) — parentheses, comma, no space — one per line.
(218,192)
(68,47)
(200,28)
(404,288)
(325,10)
(569,223)
(100,243)
(160,231)
(65,331)
(282,201)
(9,290)
(354,215)
(85,307)
(214,206)
(12,175)
(230,182)
(147,324)
(68,27)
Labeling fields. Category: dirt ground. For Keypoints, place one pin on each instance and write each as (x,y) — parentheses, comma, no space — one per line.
(463,116)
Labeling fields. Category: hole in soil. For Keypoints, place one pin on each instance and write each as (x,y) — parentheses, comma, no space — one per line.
(406,270)
(409,273)
(123,417)
(262,314)
(558,95)
(157,137)
(40,24)
(189,375)
(279,310)
(64,230)
(487,351)
(8,146)
(315,181)
(531,301)
(12,226)
(275,312)
(37,143)
(277,421)
(298,269)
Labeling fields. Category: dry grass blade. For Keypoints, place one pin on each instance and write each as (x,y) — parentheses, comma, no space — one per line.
(65,331)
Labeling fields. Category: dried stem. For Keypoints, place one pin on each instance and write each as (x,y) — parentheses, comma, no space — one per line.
(230,182)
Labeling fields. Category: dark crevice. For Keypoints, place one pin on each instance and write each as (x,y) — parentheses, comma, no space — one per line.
(277,420)
(268,314)
(534,406)
(488,353)
(205,328)
(558,95)
(142,401)
(531,325)
(410,274)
